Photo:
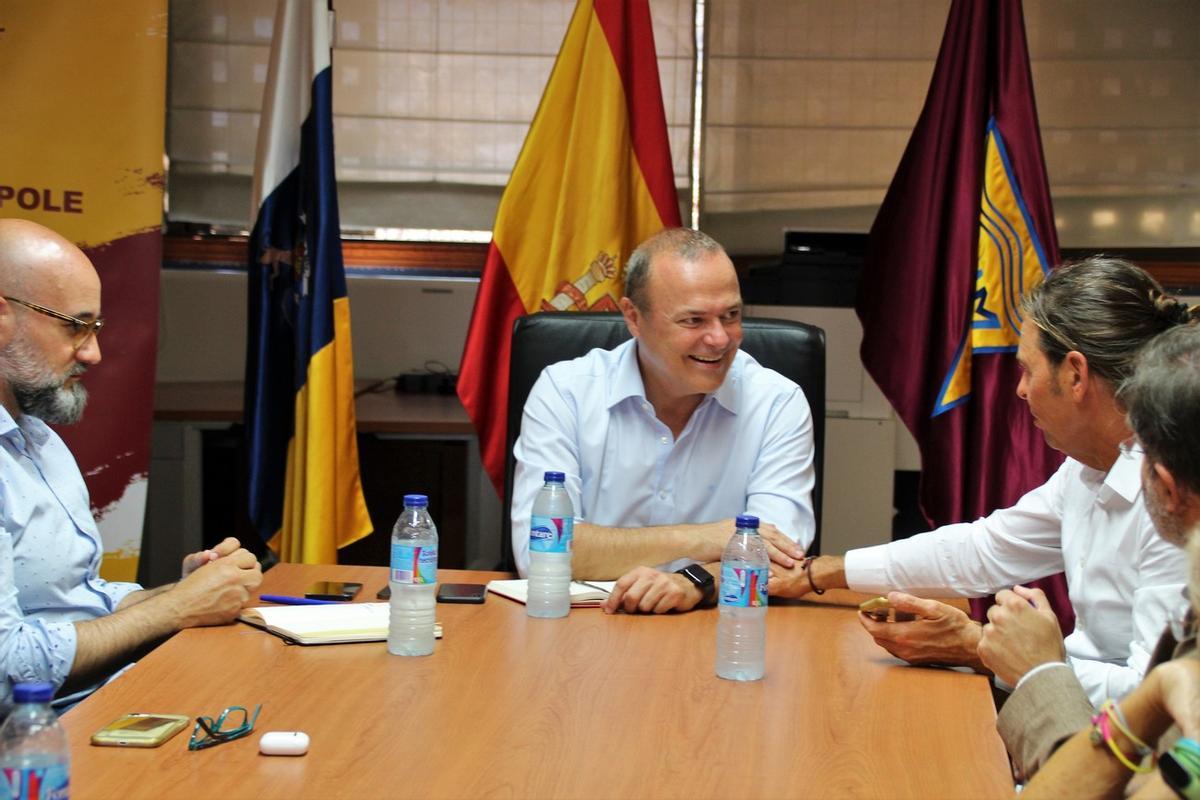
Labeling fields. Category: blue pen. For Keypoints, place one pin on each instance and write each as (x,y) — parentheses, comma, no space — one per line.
(288,600)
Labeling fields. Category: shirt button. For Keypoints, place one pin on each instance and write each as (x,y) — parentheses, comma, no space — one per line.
(665,440)
(663,494)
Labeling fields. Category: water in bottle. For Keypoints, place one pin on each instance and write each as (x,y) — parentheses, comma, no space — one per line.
(550,529)
(34,758)
(413,580)
(742,626)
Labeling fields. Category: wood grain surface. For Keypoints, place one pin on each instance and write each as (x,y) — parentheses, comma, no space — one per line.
(592,706)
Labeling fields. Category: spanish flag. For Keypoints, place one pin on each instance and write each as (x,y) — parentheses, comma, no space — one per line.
(965,232)
(592,181)
(305,494)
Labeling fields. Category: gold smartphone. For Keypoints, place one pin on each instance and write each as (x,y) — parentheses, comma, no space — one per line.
(879,609)
(140,730)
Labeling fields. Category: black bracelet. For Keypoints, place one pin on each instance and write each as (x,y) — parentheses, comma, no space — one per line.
(808,574)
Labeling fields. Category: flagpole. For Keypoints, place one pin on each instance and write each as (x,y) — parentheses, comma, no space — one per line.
(699,13)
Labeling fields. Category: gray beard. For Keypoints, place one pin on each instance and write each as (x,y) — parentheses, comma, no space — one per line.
(56,404)
(39,392)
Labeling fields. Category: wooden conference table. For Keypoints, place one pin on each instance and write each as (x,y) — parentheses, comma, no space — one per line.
(588,707)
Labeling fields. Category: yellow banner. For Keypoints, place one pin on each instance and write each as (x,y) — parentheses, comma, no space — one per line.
(82,111)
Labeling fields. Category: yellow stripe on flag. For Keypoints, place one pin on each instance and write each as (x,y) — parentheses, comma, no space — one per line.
(323,506)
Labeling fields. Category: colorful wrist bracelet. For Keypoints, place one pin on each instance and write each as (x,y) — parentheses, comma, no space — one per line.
(1109,717)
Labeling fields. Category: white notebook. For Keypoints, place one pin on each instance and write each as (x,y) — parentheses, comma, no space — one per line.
(326,624)
(583,595)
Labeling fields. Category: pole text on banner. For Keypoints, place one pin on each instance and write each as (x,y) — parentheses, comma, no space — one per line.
(28,198)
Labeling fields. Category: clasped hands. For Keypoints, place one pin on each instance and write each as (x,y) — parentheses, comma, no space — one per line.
(651,591)
(215,584)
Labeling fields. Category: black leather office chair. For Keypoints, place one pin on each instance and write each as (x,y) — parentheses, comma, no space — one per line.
(793,349)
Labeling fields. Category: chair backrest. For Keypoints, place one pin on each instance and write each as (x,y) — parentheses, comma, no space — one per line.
(793,349)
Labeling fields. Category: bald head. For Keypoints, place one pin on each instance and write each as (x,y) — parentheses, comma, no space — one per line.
(35,259)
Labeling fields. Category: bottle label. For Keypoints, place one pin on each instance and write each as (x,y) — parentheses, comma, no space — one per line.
(50,782)
(550,534)
(744,587)
(414,564)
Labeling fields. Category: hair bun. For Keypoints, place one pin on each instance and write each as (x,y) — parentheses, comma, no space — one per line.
(1175,312)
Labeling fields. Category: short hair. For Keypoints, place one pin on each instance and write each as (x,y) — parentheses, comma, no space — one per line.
(1162,403)
(1105,308)
(685,243)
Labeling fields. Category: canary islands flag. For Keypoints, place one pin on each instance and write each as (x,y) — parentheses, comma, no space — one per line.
(592,181)
(305,494)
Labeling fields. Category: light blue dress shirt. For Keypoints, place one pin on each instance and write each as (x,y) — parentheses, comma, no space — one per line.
(49,556)
(748,447)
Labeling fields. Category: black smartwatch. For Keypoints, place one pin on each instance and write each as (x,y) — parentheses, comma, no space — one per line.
(702,579)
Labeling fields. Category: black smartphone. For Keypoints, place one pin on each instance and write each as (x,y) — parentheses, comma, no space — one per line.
(385,593)
(461,593)
(332,590)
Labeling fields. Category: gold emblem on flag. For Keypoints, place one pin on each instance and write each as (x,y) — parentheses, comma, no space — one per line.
(572,295)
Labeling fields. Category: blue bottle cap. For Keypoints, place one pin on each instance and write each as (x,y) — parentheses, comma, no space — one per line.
(747,521)
(33,692)
(416,500)
(555,477)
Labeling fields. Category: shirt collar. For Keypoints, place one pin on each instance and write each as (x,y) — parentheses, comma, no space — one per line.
(627,380)
(1124,479)
(32,428)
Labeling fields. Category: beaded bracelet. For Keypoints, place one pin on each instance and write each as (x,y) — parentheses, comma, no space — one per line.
(1108,718)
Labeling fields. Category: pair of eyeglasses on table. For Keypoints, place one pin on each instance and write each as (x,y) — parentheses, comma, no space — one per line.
(233,723)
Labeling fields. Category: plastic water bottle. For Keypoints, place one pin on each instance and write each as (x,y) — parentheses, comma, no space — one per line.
(742,626)
(550,529)
(34,758)
(413,580)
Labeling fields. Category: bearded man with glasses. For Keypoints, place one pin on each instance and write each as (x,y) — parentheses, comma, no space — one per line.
(59,620)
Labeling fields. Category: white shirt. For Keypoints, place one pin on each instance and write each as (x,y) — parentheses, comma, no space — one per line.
(1124,580)
(747,448)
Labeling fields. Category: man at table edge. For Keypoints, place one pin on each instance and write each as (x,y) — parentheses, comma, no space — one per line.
(1022,643)
(1082,330)
(59,621)
(669,436)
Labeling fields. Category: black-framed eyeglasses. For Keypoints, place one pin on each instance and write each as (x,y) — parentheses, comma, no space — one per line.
(1131,447)
(81,329)
(234,723)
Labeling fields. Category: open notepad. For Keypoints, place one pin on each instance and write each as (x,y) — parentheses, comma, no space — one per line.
(583,595)
(330,624)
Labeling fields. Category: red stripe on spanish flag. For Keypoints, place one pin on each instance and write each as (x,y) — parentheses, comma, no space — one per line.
(593,180)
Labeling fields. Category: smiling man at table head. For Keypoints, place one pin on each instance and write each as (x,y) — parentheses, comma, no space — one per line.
(667,437)
(1082,331)
(59,621)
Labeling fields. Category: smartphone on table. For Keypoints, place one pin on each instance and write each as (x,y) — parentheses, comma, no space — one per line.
(880,610)
(140,730)
(333,590)
(461,593)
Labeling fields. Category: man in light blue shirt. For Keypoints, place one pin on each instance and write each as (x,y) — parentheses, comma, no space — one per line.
(59,621)
(667,437)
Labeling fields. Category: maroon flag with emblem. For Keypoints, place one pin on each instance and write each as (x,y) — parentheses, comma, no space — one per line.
(966,229)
